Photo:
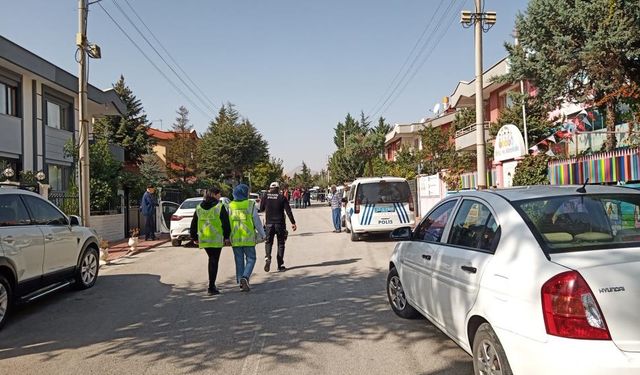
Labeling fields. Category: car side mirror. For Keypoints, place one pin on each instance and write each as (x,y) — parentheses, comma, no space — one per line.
(75,221)
(402,234)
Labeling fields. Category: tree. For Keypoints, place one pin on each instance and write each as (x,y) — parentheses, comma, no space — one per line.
(182,149)
(231,146)
(304,178)
(464,117)
(587,51)
(152,171)
(105,175)
(532,170)
(439,154)
(263,174)
(350,127)
(538,124)
(129,130)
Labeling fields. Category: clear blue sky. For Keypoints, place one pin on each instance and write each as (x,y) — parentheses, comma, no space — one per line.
(293,67)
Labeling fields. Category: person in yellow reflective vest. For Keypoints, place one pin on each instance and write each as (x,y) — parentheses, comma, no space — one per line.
(245,222)
(211,229)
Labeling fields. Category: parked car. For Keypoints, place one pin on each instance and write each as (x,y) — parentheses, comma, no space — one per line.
(255,197)
(42,250)
(378,204)
(181,220)
(536,280)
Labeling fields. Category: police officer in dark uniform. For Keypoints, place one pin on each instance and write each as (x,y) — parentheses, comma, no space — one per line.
(275,204)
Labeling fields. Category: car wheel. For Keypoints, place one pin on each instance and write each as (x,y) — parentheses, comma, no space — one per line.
(488,354)
(176,243)
(6,299)
(87,272)
(397,297)
(355,236)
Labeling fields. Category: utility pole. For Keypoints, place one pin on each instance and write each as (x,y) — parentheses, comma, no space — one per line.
(81,55)
(479,19)
(524,108)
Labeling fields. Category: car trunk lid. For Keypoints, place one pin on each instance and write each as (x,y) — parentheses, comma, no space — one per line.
(613,276)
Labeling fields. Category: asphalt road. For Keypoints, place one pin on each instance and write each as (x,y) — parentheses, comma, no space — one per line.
(149,314)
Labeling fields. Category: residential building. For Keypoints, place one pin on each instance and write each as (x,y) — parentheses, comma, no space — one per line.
(162,138)
(408,135)
(39,113)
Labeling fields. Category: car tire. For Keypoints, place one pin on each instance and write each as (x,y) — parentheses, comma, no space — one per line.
(488,353)
(176,243)
(87,271)
(6,300)
(397,297)
(355,237)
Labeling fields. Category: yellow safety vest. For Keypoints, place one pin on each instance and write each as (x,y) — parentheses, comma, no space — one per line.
(243,230)
(210,227)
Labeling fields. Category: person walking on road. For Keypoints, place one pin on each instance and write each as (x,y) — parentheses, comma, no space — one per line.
(211,229)
(148,209)
(336,207)
(296,197)
(244,219)
(275,205)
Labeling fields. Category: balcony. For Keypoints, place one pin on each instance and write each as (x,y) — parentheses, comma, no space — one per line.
(466,137)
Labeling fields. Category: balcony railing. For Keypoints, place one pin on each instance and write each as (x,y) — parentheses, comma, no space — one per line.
(471,128)
(466,137)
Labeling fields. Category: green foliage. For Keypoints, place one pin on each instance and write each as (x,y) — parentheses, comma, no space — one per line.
(532,170)
(538,125)
(582,50)
(304,178)
(182,149)
(152,171)
(439,154)
(128,130)
(263,174)
(231,146)
(463,118)
(321,179)
(105,175)
(405,165)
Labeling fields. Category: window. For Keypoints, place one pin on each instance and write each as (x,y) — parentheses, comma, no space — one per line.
(8,99)
(43,212)
(55,115)
(474,227)
(12,211)
(584,222)
(383,192)
(58,177)
(432,227)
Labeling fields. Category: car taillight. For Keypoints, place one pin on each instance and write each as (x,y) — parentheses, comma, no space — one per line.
(176,217)
(570,309)
(356,207)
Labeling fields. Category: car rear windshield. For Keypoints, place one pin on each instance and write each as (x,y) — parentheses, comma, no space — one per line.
(383,192)
(187,205)
(584,222)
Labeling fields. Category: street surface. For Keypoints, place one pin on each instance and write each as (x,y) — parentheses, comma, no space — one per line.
(149,314)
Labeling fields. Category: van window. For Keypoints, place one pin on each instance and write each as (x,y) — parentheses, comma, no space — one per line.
(383,192)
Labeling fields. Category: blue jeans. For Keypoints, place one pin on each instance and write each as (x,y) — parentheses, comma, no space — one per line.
(244,269)
(335,212)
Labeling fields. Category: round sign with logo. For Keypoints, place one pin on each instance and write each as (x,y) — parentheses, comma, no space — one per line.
(509,144)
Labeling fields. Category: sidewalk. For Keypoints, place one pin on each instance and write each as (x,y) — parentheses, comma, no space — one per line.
(121,248)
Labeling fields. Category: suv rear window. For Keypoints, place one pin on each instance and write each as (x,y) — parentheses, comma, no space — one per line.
(383,192)
(187,205)
(584,222)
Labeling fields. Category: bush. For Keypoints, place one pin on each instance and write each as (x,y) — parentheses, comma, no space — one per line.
(532,170)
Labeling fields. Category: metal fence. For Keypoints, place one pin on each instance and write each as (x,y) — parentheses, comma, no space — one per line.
(69,204)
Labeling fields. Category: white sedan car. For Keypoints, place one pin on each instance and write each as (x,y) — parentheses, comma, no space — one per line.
(537,280)
(181,220)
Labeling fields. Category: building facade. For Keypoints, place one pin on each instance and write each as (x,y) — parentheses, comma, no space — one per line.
(39,113)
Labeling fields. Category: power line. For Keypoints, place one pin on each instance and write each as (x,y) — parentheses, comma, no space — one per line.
(426,58)
(152,63)
(159,55)
(444,16)
(415,46)
(204,95)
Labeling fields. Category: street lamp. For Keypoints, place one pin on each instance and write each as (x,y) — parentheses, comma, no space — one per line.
(483,21)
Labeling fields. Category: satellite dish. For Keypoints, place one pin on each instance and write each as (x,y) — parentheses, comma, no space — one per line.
(436,108)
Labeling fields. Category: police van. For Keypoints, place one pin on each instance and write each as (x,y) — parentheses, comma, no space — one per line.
(378,204)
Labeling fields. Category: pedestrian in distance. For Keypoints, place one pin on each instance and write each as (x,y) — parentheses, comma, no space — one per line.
(148,206)
(245,222)
(306,198)
(275,205)
(210,229)
(336,208)
(296,197)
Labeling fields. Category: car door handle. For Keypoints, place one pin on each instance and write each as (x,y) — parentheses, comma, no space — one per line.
(8,239)
(425,256)
(48,237)
(469,269)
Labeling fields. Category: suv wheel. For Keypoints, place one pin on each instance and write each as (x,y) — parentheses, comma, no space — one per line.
(6,299)
(87,272)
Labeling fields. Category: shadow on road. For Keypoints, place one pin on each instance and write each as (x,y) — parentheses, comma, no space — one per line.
(326,264)
(139,316)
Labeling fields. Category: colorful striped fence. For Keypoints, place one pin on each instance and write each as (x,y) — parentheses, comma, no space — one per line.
(469,180)
(603,167)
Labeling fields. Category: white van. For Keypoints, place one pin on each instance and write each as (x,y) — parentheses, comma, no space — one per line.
(378,204)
